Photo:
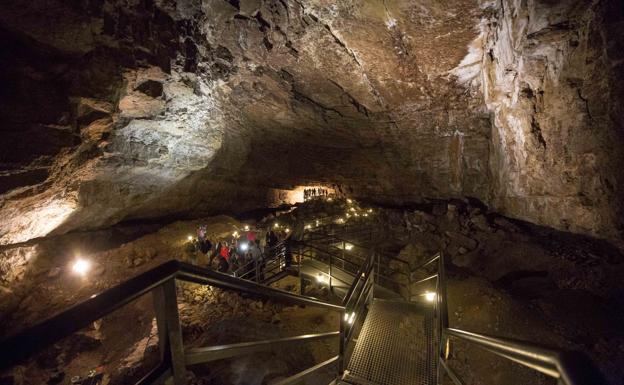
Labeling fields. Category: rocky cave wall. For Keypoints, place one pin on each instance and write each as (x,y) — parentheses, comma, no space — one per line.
(551,76)
(115,110)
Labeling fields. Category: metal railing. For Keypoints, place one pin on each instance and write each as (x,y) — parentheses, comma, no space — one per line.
(569,368)
(161,282)
(268,268)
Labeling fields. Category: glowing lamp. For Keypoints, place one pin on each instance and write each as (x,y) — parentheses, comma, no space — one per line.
(370,210)
(81,266)
(246,228)
(429,296)
(287,230)
(320,278)
(348,246)
(349,201)
(190,238)
(351,318)
(244,246)
(276,224)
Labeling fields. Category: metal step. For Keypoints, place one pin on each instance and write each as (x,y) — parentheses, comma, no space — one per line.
(395,346)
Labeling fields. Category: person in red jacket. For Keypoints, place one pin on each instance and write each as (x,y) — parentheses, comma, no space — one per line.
(224,257)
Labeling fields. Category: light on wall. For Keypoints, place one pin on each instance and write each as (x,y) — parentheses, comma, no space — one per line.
(81,266)
(430,296)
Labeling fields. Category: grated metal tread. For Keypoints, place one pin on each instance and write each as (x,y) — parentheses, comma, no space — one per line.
(395,346)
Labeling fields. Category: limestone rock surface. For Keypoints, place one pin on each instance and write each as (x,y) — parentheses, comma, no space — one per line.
(113,111)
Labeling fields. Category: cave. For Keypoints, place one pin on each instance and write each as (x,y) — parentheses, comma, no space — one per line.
(489,132)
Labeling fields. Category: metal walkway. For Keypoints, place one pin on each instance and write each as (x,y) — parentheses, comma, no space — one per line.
(395,346)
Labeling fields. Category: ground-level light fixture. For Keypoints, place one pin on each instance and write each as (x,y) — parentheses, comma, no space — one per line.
(430,296)
(348,246)
(320,278)
(81,266)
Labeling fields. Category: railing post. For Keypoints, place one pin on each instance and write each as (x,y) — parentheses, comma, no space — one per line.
(442,315)
(330,272)
(169,330)
(343,343)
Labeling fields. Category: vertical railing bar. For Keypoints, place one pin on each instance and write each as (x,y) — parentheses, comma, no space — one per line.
(174,332)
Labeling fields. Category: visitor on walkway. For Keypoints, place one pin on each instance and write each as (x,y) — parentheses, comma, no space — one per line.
(191,251)
(222,266)
(215,253)
(224,257)
(251,236)
(256,257)
(271,240)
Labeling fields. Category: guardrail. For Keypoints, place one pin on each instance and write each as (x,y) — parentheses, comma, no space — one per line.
(569,368)
(161,282)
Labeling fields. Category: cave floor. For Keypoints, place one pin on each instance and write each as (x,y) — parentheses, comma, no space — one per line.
(558,289)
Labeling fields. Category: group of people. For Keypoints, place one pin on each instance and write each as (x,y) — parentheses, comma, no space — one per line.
(243,254)
(310,193)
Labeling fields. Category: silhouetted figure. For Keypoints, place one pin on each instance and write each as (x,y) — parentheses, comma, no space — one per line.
(191,251)
(223,265)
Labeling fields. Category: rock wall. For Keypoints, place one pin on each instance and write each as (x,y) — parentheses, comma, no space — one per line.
(113,111)
(552,79)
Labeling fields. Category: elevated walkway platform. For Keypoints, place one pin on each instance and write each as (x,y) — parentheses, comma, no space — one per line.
(395,346)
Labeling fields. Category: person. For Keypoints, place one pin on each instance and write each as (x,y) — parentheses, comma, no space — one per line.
(205,246)
(222,265)
(191,250)
(225,252)
(256,257)
(251,236)
(215,253)
(271,239)
(293,238)
(201,232)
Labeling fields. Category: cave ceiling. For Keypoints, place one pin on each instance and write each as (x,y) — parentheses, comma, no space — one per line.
(116,110)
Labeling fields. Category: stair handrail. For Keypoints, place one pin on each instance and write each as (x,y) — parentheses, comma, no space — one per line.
(159,280)
(569,367)
(252,267)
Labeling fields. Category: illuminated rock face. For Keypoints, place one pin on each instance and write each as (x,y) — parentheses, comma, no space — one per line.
(113,111)
(552,79)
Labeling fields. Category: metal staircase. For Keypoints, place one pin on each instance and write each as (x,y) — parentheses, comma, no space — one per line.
(394,329)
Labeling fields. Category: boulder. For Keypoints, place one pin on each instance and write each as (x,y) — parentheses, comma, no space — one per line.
(460,240)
